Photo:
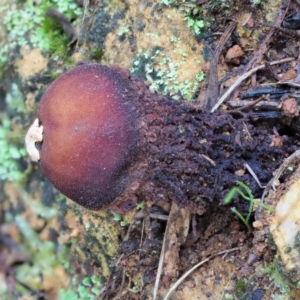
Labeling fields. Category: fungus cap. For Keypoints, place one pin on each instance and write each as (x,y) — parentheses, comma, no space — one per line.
(89,134)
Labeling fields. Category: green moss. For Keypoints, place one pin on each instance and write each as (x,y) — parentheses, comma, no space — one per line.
(243,290)
(199,16)
(190,9)
(27,25)
(278,280)
(89,288)
(44,257)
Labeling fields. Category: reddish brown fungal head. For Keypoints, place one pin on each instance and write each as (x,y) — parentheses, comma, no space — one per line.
(90,135)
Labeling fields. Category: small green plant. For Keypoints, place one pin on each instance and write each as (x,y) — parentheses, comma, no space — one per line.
(189,9)
(195,24)
(88,289)
(238,190)
(117,217)
(140,206)
(136,287)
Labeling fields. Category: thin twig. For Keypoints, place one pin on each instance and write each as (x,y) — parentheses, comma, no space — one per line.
(263,105)
(272,72)
(254,176)
(126,238)
(119,259)
(235,85)
(252,103)
(245,76)
(180,280)
(287,31)
(86,3)
(208,159)
(213,87)
(160,267)
(142,214)
(263,46)
(262,200)
(142,237)
(65,23)
(247,131)
(282,167)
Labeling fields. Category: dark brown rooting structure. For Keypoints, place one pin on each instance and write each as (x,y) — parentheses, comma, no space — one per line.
(154,148)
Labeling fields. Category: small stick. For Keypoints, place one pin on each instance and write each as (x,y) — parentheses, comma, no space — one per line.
(141,215)
(247,131)
(273,74)
(290,32)
(283,166)
(254,176)
(160,267)
(180,280)
(252,103)
(65,23)
(213,87)
(256,58)
(242,104)
(263,46)
(245,76)
(142,237)
(235,85)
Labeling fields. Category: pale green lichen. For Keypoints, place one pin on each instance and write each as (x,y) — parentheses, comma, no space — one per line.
(123,30)
(12,150)
(162,73)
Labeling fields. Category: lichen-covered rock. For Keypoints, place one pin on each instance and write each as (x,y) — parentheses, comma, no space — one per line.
(285,229)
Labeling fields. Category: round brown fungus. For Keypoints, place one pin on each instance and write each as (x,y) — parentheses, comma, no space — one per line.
(107,138)
(90,135)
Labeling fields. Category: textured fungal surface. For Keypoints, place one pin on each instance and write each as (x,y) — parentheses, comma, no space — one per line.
(196,157)
(109,138)
(89,134)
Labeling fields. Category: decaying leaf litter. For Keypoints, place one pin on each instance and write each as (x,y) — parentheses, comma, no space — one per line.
(190,236)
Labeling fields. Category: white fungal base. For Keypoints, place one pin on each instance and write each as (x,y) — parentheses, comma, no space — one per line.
(34,135)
